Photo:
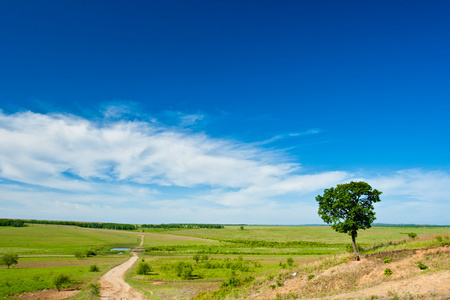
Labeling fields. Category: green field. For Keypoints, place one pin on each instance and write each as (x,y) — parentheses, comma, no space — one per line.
(252,254)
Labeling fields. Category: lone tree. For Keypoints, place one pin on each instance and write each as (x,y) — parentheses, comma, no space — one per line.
(9,259)
(349,207)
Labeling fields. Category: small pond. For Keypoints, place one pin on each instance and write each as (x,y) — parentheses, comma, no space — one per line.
(120,249)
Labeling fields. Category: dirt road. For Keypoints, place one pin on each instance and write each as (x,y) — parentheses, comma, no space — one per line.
(113,285)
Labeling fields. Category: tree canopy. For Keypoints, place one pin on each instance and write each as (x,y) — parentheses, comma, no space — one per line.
(349,207)
(9,259)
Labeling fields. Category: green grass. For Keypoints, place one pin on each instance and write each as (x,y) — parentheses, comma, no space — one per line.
(33,274)
(61,240)
(265,255)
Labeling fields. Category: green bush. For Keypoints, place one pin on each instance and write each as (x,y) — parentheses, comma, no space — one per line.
(422,266)
(290,261)
(387,260)
(94,268)
(143,268)
(388,271)
(61,280)
(412,235)
(79,255)
(311,276)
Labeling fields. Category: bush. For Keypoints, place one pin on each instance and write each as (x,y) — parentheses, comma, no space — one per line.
(143,268)
(439,239)
(311,276)
(387,260)
(79,255)
(290,261)
(91,253)
(422,266)
(61,280)
(412,235)
(184,270)
(388,271)
(94,268)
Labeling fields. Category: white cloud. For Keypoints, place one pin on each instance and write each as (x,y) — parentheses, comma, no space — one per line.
(62,166)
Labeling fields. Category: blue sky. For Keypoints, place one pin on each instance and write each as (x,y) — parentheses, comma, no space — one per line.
(222,111)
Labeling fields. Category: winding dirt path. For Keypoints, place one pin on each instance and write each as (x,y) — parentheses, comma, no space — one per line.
(113,285)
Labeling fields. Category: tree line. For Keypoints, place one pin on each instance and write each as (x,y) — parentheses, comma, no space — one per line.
(96,225)
(177,226)
(12,223)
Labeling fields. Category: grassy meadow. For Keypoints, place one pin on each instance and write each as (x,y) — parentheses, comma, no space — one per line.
(184,262)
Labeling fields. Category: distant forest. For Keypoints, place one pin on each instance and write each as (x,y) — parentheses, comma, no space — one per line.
(189,226)
(116,226)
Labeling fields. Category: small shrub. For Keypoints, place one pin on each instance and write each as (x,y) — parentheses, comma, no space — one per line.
(388,271)
(422,266)
(79,255)
(196,257)
(412,235)
(439,239)
(290,261)
(61,280)
(232,282)
(387,260)
(311,276)
(93,268)
(143,268)
(272,286)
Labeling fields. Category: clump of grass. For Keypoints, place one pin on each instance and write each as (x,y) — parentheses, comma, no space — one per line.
(388,272)
(387,260)
(310,276)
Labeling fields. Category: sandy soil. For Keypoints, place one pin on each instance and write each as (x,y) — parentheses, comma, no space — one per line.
(47,295)
(113,285)
(366,276)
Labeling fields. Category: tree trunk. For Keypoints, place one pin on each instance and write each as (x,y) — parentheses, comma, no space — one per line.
(354,245)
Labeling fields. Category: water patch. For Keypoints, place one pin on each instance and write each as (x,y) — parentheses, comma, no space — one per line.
(120,249)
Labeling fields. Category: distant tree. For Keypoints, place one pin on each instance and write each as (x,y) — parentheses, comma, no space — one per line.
(9,259)
(241,228)
(349,207)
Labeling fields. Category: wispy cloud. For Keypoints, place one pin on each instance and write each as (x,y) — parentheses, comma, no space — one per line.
(64,166)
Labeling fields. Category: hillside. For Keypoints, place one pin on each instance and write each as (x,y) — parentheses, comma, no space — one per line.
(366,279)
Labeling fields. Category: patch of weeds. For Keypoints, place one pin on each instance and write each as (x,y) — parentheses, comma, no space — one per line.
(373,297)
(279,282)
(310,276)
(95,289)
(388,272)
(272,286)
(387,260)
